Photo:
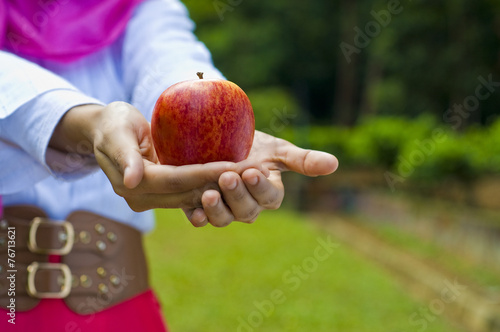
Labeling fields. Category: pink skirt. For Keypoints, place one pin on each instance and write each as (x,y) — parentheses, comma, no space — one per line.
(141,313)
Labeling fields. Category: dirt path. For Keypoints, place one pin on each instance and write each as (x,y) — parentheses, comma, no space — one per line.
(444,293)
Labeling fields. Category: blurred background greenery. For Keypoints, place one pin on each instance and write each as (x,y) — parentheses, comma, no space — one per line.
(377,65)
(405,94)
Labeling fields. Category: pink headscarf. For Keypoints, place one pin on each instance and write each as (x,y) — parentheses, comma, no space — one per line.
(62,30)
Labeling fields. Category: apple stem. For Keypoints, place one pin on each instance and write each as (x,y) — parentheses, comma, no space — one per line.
(200,75)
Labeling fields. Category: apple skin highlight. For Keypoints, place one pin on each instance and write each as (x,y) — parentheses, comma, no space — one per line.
(201,121)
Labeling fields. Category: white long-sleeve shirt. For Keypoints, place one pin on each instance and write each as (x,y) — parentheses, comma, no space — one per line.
(157,50)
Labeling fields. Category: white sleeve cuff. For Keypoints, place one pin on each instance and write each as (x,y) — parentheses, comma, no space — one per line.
(31,126)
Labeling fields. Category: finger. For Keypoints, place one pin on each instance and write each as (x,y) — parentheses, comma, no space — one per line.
(267,192)
(197,217)
(217,212)
(307,162)
(161,179)
(251,163)
(185,200)
(236,196)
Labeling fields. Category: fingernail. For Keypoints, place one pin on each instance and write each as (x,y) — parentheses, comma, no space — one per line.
(231,184)
(214,203)
(253,180)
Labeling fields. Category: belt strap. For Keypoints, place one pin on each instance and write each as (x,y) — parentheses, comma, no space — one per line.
(102,261)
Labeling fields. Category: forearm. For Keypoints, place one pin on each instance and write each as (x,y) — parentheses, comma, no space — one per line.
(32,103)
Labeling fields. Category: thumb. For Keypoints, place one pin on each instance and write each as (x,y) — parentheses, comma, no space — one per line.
(133,170)
(120,132)
(119,157)
(307,162)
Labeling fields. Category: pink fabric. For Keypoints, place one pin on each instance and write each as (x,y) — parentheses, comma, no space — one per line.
(62,30)
(141,313)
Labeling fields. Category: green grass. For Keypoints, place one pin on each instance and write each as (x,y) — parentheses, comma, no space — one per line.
(212,279)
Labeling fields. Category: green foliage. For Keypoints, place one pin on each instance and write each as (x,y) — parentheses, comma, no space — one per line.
(441,160)
(379,141)
(419,149)
(483,145)
(275,109)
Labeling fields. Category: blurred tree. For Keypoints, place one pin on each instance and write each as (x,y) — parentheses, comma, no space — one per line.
(426,57)
(432,55)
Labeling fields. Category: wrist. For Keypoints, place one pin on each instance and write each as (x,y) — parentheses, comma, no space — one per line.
(76,130)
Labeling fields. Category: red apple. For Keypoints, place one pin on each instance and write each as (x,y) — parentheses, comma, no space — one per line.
(203,120)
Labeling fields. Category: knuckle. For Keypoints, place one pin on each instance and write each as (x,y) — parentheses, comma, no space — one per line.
(191,201)
(173,183)
(274,206)
(222,222)
(251,221)
(250,215)
(198,224)
(272,202)
(238,195)
(118,157)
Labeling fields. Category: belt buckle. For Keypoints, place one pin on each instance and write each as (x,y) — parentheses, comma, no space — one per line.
(65,288)
(33,246)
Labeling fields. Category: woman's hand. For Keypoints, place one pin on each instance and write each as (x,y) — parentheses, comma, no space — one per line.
(120,138)
(216,193)
(243,196)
